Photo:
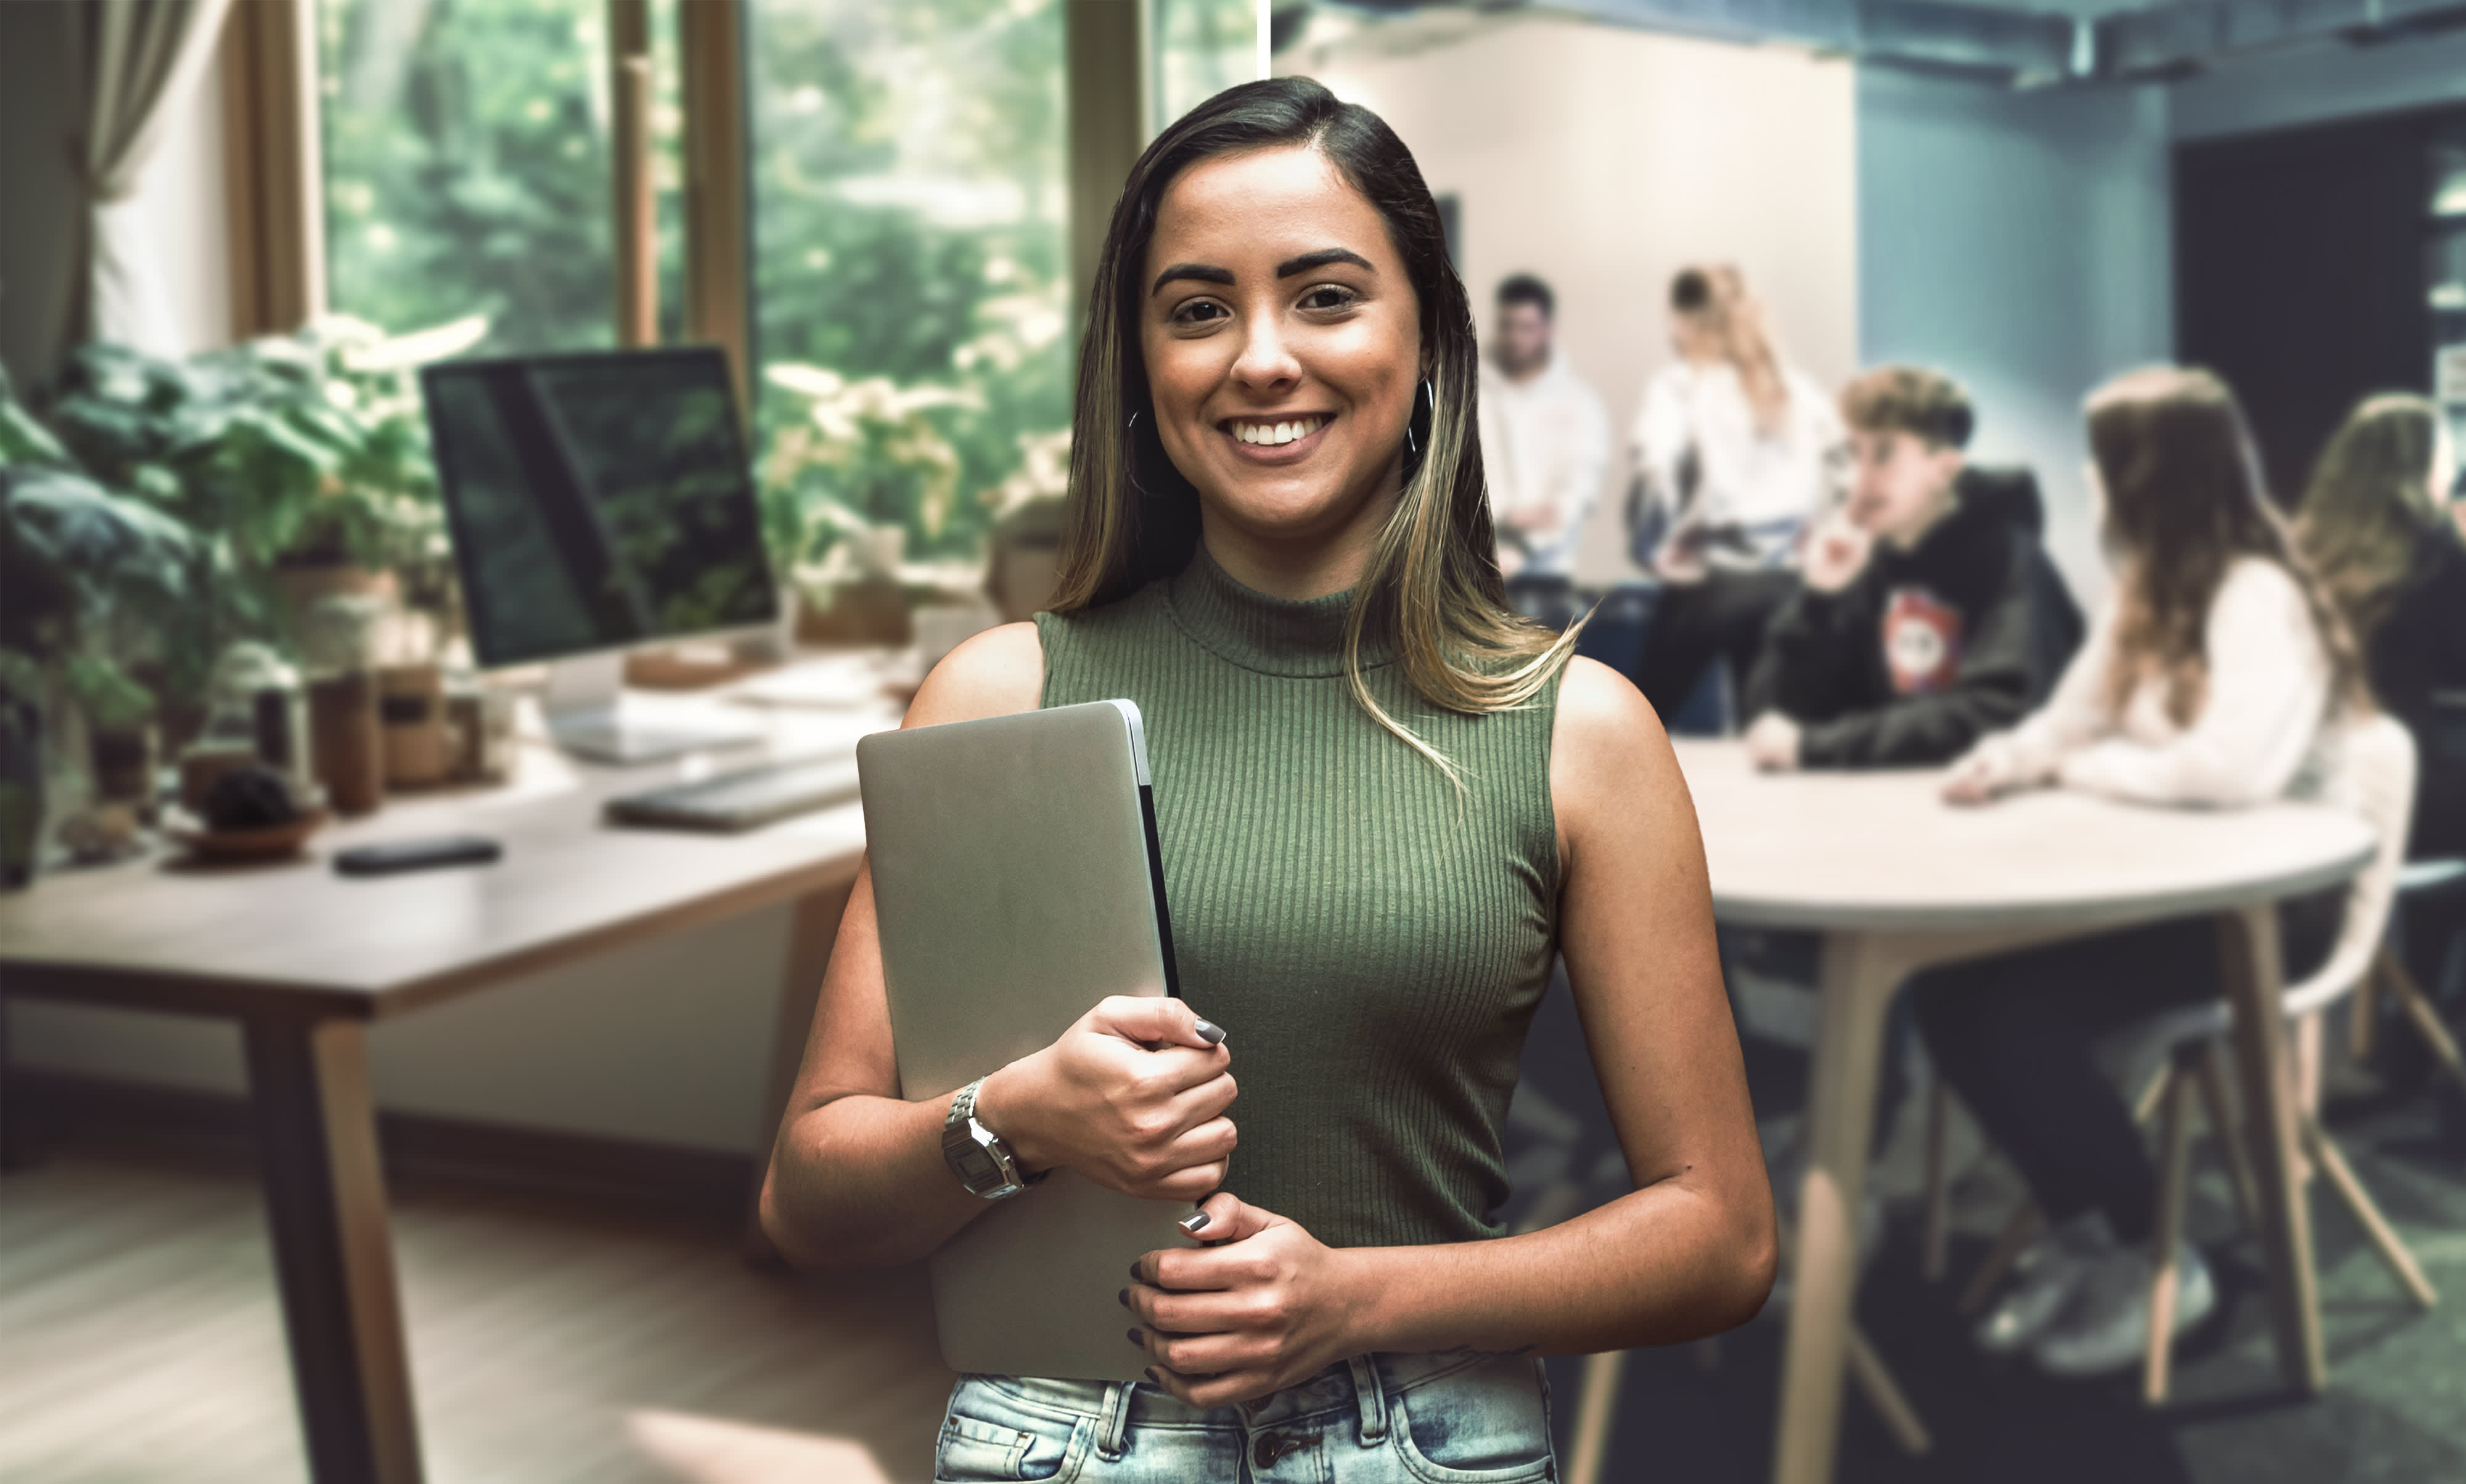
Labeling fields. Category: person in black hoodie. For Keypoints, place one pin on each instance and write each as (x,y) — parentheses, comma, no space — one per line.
(1929,614)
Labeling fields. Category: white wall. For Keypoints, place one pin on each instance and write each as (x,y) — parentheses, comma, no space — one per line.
(1604,161)
(2020,242)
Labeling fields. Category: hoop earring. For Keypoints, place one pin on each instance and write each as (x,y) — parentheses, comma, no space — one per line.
(1425,394)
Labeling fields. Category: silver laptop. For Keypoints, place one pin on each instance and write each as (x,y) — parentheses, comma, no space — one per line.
(1015,883)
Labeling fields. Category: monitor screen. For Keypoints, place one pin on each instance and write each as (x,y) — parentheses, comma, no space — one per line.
(597,501)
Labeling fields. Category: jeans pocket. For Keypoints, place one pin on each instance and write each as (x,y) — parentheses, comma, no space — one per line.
(988,1437)
(1486,1423)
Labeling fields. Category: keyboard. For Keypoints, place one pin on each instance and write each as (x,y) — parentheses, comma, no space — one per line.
(744,798)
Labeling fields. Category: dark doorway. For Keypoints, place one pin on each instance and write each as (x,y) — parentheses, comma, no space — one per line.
(2300,273)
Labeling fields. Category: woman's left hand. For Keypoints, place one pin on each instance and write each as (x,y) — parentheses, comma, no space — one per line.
(1266,1307)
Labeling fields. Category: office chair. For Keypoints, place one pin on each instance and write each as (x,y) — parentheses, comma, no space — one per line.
(2189,1046)
(2389,974)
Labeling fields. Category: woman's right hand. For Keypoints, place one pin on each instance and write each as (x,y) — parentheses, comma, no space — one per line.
(1132,1096)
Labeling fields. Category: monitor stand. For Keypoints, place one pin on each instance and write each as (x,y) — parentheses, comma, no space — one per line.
(588,715)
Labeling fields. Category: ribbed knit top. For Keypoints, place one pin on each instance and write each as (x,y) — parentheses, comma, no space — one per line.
(1373,941)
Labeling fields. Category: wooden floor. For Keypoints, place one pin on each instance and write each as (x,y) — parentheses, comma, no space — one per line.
(140,1341)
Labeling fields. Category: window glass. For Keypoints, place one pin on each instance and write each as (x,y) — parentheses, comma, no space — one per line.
(1199,48)
(910,225)
(468,166)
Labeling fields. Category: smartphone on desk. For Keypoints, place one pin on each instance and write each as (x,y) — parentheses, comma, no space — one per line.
(397,856)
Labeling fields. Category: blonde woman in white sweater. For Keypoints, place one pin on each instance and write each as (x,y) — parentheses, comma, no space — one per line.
(2216,677)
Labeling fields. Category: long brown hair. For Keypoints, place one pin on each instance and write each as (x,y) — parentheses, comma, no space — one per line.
(2369,509)
(1432,587)
(2184,499)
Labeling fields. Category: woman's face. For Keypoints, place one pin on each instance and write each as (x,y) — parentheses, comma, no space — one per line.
(1283,346)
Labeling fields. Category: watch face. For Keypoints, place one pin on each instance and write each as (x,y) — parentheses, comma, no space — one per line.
(977,1168)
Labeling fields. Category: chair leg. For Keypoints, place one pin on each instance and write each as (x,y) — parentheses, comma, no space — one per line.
(2384,1241)
(2307,1051)
(2418,1009)
(2362,1011)
(2009,1242)
(1596,1409)
(2215,1101)
(2146,1107)
(1938,1199)
(2167,1241)
(1900,1419)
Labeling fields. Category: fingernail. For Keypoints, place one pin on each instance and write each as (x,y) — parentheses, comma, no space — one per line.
(1122,1298)
(1134,1274)
(1150,1375)
(1137,1339)
(1210,1032)
(1194,1224)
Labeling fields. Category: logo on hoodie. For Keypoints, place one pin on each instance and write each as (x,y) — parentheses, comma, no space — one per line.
(1921,642)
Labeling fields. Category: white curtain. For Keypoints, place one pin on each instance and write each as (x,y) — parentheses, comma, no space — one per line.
(143,60)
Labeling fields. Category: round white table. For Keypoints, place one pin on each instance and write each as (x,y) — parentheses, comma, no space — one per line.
(1896,881)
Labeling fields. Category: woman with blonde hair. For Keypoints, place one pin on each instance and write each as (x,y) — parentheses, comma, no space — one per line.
(2375,524)
(1734,455)
(1383,805)
(2218,675)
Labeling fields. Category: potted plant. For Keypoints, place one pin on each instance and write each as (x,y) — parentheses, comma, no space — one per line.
(81,567)
(303,459)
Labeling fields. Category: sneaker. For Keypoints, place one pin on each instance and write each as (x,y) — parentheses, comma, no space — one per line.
(2106,1327)
(2050,1270)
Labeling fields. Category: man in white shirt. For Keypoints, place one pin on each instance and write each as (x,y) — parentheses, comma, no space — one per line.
(1545,439)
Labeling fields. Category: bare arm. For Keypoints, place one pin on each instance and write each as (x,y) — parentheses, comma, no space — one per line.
(1132,1096)
(1691,1252)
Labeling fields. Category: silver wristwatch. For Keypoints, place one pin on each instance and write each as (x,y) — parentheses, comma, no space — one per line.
(976,1154)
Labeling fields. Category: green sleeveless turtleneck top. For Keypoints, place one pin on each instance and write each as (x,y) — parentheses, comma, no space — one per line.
(1373,942)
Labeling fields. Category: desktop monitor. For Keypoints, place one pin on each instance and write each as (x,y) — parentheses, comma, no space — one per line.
(598,502)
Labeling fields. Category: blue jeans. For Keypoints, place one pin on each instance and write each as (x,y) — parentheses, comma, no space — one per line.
(1381,1419)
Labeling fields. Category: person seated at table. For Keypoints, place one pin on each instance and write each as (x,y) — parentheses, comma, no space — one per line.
(1928,613)
(2375,526)
(2217,675)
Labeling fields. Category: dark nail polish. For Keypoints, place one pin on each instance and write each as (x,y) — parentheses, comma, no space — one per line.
(1137,1338)
(1195,1222)
(1122,1298)
(1134,1274)
(1150,1375)
(1210,1032)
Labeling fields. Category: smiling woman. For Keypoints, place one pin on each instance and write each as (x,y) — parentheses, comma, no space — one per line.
(1384,806)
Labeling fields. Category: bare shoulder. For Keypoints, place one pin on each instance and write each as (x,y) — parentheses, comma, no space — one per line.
(1611,762)
(999,672)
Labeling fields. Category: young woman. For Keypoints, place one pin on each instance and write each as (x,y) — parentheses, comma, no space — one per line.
(2376,527)
(1383,803)
(1734,455)
(2218,676)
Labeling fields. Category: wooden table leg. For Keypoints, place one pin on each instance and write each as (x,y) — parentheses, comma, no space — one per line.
(333,1257)
(1860,973)
(2254,975)
(812,932)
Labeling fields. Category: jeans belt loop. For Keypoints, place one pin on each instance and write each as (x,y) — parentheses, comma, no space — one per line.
(1372,1398)
(1113,1425)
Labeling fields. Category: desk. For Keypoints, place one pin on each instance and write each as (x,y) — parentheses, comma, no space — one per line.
(1896,881)
(305,960)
